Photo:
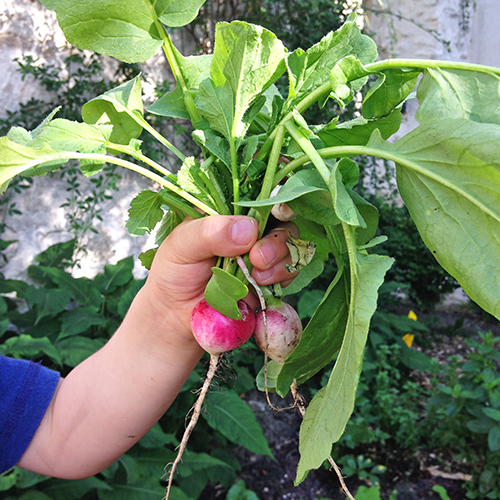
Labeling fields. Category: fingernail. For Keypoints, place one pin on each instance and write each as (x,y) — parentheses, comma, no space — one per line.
(243,231)
(263,277)
(269,253)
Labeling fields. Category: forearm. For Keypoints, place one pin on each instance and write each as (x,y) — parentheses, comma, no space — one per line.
(114,397)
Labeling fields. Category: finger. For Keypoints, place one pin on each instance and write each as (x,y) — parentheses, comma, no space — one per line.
(201,239)
(272,248)
(276,274)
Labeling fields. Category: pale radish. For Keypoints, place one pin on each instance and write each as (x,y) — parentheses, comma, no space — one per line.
(283,331)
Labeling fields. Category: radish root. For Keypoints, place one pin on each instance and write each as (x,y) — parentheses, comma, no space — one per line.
(263,306)
(214,362)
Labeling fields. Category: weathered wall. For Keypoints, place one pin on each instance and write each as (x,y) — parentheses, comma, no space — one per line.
(408,28)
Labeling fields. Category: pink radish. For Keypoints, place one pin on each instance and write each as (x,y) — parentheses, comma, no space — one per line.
(216,334)
(283,331)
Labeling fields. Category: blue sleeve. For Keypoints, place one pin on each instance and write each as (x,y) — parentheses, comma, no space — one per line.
(26,389)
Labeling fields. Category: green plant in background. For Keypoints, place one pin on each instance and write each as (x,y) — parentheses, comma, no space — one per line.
(468,405)
(63,320)
(447,168)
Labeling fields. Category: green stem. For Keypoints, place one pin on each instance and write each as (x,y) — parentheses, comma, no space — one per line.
(139,156)
(379,66)
(268,182)
(351,151)
(310,151)
(134,168)
(214,187)
(162,140)
(235,177)
(301,106)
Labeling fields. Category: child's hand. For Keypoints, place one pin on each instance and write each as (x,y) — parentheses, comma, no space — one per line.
(182,266)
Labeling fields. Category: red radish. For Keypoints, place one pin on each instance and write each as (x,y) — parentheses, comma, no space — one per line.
(216,334)
(283,331)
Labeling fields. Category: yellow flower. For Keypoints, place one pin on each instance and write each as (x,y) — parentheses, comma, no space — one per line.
(408,339)
(412,316)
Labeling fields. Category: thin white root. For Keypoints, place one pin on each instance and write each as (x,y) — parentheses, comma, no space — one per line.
(301,406)
(263,306)
(214,362)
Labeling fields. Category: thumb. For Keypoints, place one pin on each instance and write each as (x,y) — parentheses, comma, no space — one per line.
(197,240)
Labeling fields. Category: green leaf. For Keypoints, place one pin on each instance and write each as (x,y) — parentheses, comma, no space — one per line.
(232,417)
(494,438)
(104,26)
(74,350)
(358,130)
(273,370)
(239,492)
(452,168)
(300,184)
(79,320)
(343,204)
(492,413)
(82,289)
(309,70)
(144,213)
(320,341)
(17,159)
(63,489)
(194,69)
(458,94)
(391,89)
(48,301)
(26,346)
(115,276)
(122,107)
(57,255)
(177,13)
(247,60)
(223,292)
(329,411)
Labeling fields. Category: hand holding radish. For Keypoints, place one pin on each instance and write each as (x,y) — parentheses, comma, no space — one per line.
(183,264)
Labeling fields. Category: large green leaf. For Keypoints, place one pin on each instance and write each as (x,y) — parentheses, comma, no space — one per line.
(320,341)
(115,275)
(327,414)
(25,346)
(82,289)
(459,94)
(247,60)
(79,320)
(231,416)
(309,70)
(129,34)
(448,173)
(17,159)
(105,26)
(122,107)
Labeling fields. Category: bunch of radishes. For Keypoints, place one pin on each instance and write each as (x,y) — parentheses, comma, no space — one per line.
(276,328)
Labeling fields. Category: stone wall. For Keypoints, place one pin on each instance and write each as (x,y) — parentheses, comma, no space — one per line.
(464,30)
